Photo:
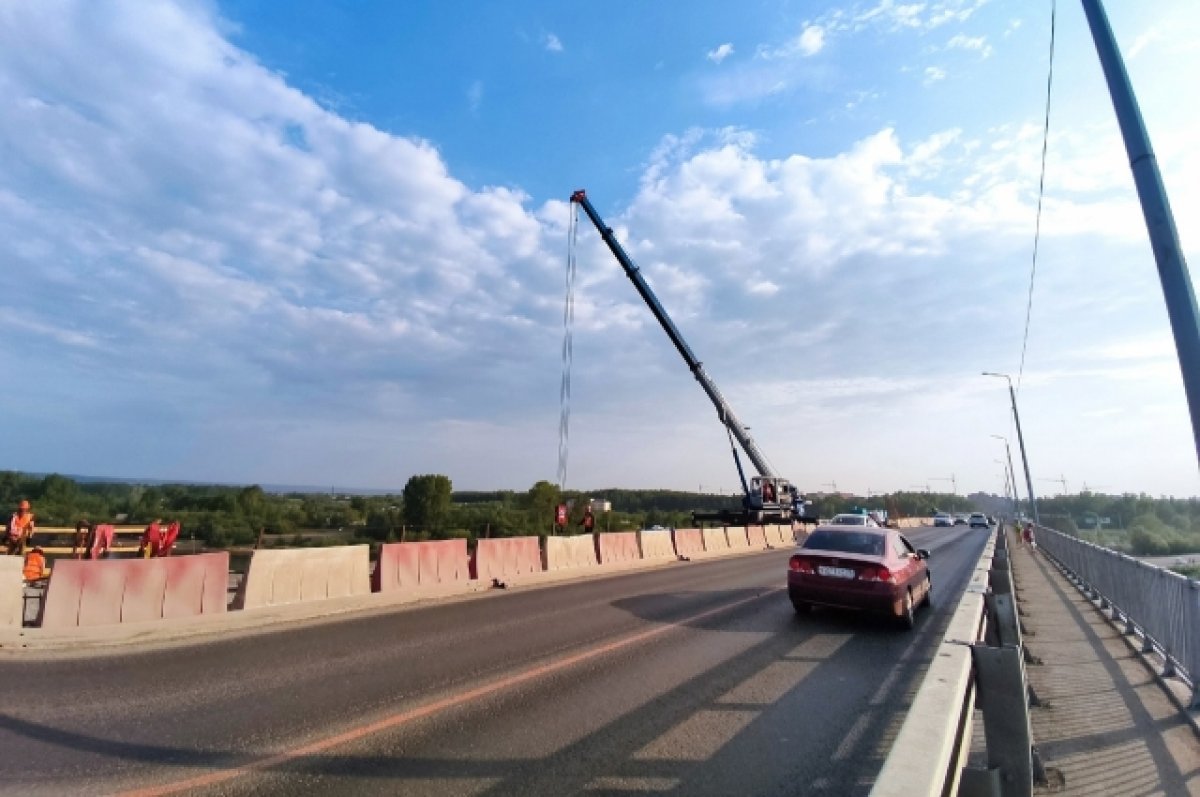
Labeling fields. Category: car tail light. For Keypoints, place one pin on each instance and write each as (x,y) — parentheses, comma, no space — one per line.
(876,573)
(798,564)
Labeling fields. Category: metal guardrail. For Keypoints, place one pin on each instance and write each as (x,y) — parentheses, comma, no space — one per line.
(981,660)
(1161,606)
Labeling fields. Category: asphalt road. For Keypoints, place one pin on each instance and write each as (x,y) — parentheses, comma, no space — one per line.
(697,678)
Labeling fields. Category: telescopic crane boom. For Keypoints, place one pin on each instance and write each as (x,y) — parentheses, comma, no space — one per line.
(778,501)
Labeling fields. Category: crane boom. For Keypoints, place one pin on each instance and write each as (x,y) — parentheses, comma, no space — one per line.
(724,411)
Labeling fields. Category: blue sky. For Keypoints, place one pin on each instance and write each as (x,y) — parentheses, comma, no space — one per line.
(324,243)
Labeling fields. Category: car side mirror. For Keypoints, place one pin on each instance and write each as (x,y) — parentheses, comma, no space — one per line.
(922,553)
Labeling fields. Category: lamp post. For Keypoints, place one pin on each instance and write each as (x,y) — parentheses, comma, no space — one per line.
(1012,394)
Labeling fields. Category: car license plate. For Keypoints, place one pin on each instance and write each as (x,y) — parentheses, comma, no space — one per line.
(835,572)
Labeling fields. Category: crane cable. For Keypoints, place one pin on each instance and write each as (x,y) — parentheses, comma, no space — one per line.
(1037,230)
(564,391)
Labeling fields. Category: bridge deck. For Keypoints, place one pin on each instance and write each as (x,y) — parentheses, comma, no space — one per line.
(1107,726)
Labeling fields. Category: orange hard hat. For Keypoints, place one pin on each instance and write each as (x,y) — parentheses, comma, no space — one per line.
(23,505)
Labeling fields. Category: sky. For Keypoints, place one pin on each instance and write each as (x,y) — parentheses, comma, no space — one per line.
(325,243)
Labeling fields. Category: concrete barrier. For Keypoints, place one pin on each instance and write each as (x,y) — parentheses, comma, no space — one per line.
(656,544)
(780,536)
(417,565)
(688,542)
(757,537)
(501,558)
(110,591)
(715,540)
(738,539)
(618,547)
(571,553)
(298,575)
(12,588)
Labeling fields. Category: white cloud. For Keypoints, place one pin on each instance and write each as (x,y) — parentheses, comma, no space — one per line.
(933,74)
(977,44)
(552,43)
(719,54)
(811,41)
(1144,40)
(475,95)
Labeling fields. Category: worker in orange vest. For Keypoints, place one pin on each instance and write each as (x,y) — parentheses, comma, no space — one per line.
(19,530)
(35,565)
(151,539)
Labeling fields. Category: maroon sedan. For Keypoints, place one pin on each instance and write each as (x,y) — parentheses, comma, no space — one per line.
(856,567)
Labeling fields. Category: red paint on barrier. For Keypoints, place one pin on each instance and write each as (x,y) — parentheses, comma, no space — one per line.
(505,557)
(409,565)
(617,547)
(83,592)
(688,542)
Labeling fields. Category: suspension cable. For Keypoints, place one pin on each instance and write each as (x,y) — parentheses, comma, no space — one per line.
(564,391)
(1037,231)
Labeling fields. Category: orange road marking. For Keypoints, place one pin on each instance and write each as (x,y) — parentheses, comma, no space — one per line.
(420,712)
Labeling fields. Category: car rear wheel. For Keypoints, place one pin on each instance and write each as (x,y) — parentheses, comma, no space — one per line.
(927,601)
(906,618)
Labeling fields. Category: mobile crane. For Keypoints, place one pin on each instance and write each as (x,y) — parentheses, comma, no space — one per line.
(767,497)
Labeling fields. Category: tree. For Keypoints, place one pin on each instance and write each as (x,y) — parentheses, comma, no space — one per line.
(427,502)
(541,501)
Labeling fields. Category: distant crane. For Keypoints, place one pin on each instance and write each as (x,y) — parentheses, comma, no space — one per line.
(1095,488)
(832,484)
(1060,480)
(924,487)
(951,478)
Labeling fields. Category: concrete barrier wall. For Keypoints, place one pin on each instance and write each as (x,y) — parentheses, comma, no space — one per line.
(415,565)
(780,536)
(738,539)
(715,540)
(109,591)
(757,535)
(506,557)
(688,541)
(298,575)
(12,591)
(570,553)
(618,547)
(656,544)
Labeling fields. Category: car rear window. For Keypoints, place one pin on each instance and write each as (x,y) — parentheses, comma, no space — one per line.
(859,542)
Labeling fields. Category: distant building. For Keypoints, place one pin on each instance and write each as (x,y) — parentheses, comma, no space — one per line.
(600,505)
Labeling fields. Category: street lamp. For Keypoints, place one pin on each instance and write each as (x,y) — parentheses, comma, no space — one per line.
(1012,394)
(1012,474)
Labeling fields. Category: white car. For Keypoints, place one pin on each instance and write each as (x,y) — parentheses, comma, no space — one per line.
(848,519)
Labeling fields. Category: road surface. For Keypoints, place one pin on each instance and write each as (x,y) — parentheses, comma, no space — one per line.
(697,678)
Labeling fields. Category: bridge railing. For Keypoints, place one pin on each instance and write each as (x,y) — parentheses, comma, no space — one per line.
(1161,606)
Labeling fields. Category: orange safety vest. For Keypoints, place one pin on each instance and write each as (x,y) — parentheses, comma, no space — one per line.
(35,565)
(19,526)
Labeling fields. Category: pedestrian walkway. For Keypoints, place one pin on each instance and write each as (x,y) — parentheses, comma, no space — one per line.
(1105,726)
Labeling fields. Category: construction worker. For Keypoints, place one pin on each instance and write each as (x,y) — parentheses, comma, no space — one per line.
(83,538)
(35,565)
(588,522)
(19,530)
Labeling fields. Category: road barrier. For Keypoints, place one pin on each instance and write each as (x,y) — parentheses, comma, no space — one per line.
(715,540)
(297,575)
(1159,605)
(688,542)
(12,588)
(571,553)
(656,544)
(618,547)
(981,658)
(501,558)
(737,537)
(414,565)
(106,592)
(757,537)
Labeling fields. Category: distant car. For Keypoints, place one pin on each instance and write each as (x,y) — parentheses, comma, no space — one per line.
(870,569)
(960,519)
(978,520)
(943,519)
(850,519)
